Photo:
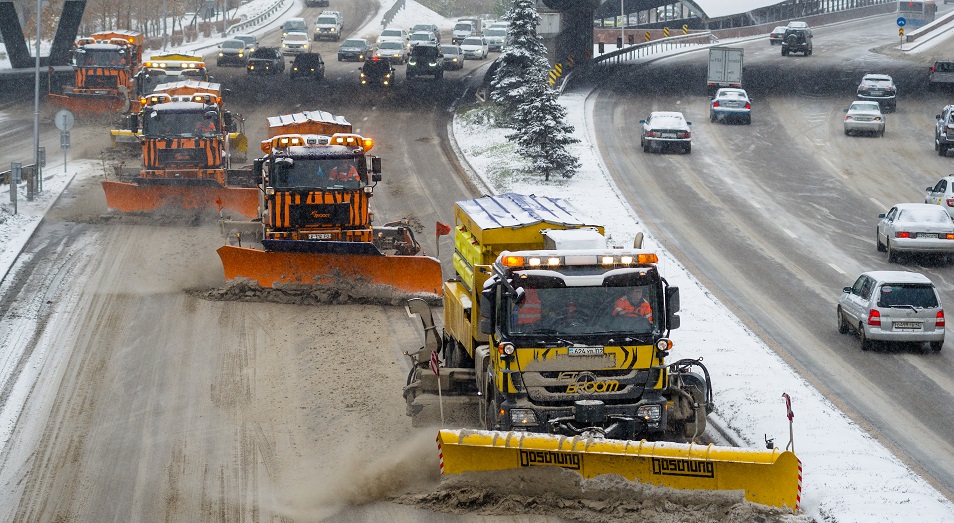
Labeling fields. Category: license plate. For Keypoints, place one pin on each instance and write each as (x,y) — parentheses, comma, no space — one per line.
(668,135)
(927,235)
(586,351)
(876,93)
(320,236)
(913,325)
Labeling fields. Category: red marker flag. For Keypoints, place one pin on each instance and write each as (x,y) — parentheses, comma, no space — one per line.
(443,230)
(435,364)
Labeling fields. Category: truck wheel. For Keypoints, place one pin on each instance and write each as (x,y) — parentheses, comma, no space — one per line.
(491,421)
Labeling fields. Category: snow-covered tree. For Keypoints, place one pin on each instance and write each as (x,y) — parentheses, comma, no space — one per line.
(523,62)
(544,135)
(528,103)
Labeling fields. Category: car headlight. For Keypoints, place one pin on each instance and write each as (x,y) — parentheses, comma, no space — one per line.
(220,53)
(523,418)
(649,412)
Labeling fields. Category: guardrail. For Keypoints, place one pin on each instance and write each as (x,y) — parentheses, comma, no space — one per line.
(251,22)
(654,46)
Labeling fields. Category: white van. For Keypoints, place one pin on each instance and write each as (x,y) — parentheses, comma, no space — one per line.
(329,26)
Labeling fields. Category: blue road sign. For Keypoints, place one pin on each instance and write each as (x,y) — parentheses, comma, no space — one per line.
(901,21)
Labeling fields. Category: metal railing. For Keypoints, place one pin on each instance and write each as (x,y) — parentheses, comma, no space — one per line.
(251,22)
(643,49)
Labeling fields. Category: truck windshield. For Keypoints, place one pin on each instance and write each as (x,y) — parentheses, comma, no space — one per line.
(159,124)
(101,57)
(312,173)
(574,311)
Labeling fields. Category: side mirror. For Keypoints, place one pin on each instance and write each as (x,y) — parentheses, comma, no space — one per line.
(846,290)
(376,164)
(882,215)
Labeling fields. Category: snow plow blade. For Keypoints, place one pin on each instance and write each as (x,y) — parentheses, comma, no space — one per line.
(131,197)
(768,477)
(408,274)
(88,104)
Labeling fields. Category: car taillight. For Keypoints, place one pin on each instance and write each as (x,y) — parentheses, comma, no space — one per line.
(902,234)
(848,118)
(949,236)
(684,134)
(874,318)
(748,105)
(950,202)
(939,322)
(715,104)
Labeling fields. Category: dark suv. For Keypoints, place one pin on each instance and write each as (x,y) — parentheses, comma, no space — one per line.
(266,60)
(797,40)
(308,65)
(377,71)
(426,60)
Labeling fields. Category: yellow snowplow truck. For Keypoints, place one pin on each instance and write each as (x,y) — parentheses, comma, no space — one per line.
(548,330)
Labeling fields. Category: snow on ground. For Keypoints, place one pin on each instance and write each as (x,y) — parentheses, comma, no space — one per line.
(848,476)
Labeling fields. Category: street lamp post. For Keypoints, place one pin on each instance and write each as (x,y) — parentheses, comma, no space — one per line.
(622,25)
(36,104)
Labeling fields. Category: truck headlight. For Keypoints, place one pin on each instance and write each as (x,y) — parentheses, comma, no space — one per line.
(649,412)
(523,418)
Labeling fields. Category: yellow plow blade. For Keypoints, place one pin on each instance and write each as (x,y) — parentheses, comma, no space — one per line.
(769,477)
(131,197)
(409,274)
(87,105)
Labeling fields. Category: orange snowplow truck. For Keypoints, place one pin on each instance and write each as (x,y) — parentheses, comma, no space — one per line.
(185,150)
(105,65)
(317,182)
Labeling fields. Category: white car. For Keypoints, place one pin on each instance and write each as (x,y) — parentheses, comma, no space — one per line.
(917,228)
(295,43)
(395,35)
(666,129)
(475,47)
(496,38)
(422,36)
(864,117)
(394,50)
(731,104)
(942,193)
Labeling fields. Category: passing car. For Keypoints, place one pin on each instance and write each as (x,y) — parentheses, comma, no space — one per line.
(329,25)
(395,35)
(864,117)
(942,193)
(892,306)
(266,60)
(496,38)
(453,57)
(392,50)
(308,65)
(232,52)
(797,40)
(944,130)
(427,28)
(666,129)
(251,42)
(942,73)
(799,24)
(295,43)
(475,47)
(377,72)
(354,50)
(879,88)
(776,36)
(426,60)
(422,37)
(915,228)
(730,104)
(294,25)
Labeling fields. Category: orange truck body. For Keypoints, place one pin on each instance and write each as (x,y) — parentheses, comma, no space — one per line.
(105,65)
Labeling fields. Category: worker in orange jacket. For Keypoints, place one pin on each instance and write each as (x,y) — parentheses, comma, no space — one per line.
(633,305)
(530,310)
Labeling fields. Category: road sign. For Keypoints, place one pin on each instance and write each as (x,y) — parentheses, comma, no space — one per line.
(901,31)
(64,120)
(666,32)
(901,21)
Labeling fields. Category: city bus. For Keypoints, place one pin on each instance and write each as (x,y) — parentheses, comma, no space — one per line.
(917,12)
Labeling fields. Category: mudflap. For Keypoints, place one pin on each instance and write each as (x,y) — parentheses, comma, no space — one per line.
(412,275)
(131,197)
(770,477)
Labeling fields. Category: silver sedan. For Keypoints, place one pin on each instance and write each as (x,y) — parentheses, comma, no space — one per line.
(915,228)
(864,117)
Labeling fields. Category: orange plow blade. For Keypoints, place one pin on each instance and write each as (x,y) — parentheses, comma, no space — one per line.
(131,197)
(409,274)
(87,104)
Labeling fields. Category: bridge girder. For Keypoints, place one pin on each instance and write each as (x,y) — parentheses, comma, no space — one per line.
(66,32)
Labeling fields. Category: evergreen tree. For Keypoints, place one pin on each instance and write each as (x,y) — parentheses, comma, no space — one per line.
(544,135)
(523,62)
